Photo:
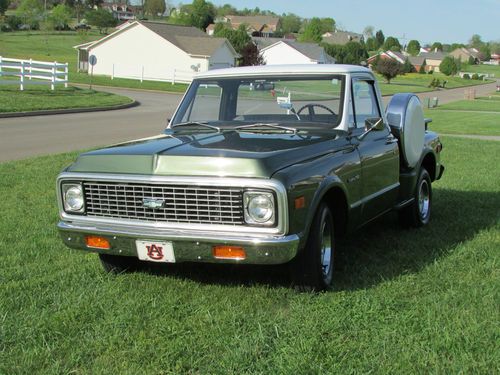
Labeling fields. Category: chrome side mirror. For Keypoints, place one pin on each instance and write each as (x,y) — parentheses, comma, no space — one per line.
(376,124)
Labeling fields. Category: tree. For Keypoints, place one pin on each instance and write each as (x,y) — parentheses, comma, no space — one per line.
(380,38)
(392,44)
(200,13)
(31,12)
(4,5)
(226,9)
(454,46)
(407,67)
(312,31)
(154,7)
(290,23)
(350,53)
(368,32)
(101,18)
(388,68)
(59,17)
(327,25)
(413,47)
(239,38)
(448,66)
(437,46)
(371,44)
(475,41)
(250,55)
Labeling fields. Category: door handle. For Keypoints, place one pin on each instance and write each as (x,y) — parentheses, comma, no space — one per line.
(391,139)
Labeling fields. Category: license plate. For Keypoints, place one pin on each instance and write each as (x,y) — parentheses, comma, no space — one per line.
(155,251)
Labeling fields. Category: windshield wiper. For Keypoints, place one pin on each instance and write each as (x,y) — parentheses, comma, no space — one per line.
(268,125)
(196,123)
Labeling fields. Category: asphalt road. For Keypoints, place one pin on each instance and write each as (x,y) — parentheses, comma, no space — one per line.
(23,137)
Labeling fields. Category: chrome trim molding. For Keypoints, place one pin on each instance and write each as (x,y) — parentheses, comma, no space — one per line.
(282,202)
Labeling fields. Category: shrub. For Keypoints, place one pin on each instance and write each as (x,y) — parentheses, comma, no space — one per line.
(388,68)
(430,72)
(422,69)
(475,76)
(13,22)
(448,66)
(466,76)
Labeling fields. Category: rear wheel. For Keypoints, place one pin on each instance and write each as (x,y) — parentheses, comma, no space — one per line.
(418,213)
(118,264)
(313,268)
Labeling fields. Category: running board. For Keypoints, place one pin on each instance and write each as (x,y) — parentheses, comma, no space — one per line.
(404,204)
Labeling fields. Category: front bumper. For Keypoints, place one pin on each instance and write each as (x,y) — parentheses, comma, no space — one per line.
(188,246)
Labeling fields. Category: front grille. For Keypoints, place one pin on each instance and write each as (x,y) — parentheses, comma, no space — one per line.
(180,203)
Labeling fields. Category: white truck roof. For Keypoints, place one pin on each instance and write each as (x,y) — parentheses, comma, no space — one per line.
(264,70)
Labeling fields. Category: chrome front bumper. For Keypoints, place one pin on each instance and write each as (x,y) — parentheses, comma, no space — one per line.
(188,246)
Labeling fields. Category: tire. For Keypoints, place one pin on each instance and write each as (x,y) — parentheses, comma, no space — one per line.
(418,213)
(118,264)
(312,269)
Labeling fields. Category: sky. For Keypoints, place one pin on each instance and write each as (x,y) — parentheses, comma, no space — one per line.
(427,21)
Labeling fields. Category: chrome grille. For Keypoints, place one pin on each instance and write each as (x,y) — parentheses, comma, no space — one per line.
(180,203)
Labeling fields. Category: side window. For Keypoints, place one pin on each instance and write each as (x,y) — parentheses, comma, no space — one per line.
(365,102)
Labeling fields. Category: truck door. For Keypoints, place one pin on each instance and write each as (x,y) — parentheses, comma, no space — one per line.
(378,151)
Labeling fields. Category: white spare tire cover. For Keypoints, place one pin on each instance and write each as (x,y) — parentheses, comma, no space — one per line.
(406,119)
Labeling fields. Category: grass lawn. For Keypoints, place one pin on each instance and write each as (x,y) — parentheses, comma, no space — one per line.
(37,98)
(490,69)
(406,301)
(473,105)
(58,46)
(456,122)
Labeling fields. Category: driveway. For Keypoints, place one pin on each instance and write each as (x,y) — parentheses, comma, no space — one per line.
(23,137)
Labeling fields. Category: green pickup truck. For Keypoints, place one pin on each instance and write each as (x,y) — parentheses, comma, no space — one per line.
(259,165)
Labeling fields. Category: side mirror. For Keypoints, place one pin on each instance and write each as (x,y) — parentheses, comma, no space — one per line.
(376,124)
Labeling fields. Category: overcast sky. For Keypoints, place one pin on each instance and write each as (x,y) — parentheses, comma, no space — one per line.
(428,21)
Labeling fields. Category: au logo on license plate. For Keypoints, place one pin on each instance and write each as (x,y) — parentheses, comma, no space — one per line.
(155,251)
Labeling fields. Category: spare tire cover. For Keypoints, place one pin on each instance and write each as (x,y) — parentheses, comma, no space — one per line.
(406,118)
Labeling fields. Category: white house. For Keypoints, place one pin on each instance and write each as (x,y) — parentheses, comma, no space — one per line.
(156,51)
(289,52)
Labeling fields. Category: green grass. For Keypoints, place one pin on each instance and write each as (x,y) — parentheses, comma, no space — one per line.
(414,82)
(57,46)
(37,98)
(473,105)
(456,122)
(490,69)
(406,301)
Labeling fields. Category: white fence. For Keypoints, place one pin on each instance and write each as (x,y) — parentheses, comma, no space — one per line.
(31,72)
(151,72)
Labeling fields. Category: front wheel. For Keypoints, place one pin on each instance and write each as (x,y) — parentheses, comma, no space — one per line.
(418,213)
(312,269)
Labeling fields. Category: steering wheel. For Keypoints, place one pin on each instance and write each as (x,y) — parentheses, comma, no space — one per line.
(311,106)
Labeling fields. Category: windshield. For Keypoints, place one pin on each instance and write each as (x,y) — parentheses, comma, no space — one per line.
(234,102)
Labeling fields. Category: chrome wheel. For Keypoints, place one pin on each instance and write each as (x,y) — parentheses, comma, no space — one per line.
(326,252)
(424,199)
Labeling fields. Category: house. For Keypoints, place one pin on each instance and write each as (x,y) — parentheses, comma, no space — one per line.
(262,42)
(289,52)
(156,51)
(263,26)
(122,11)
(341,37)
(433,60)
(466,54)
(495,59)
(400,57)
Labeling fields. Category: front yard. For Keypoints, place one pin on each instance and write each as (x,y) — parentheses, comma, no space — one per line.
(406,301)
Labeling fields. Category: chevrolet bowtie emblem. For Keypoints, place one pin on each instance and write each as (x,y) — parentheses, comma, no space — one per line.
(153,203)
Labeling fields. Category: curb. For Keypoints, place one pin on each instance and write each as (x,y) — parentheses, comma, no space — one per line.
(135,103)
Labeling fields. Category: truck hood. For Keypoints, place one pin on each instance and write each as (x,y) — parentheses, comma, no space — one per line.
(230,153)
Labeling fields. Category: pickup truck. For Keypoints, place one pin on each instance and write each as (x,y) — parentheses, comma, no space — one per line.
(258,165)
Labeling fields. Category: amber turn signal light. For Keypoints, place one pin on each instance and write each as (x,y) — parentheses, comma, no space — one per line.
(229,252)
(300,202)
(97,242)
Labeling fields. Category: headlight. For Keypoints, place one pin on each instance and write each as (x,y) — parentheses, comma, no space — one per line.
(259,207)
(73,197)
